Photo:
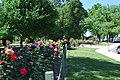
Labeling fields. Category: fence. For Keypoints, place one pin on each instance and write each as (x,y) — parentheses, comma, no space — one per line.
(59,67)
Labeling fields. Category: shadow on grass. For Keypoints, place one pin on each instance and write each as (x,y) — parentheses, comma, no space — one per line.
(79,68)
(71,48)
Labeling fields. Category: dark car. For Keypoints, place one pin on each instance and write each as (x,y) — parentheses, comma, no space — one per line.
(118,49)
(116,41)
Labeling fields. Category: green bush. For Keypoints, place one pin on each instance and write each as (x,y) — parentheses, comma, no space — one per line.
(73,42)
(31,61)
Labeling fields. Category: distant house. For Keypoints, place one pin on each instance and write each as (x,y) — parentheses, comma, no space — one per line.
(59,2)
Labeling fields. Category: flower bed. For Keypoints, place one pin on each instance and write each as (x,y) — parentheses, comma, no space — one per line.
(30,61)
(86,42)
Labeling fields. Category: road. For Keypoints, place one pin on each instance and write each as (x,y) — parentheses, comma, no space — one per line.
(109,51)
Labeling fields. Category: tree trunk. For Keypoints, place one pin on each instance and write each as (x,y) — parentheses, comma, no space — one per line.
(4,42)
(112,38)
(98,38)
(21,41)
(11,41)
(108,38)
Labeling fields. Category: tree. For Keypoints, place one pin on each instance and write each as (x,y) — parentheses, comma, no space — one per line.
(94,20)
(29,17)
(4,30)
(103,20)
(69,20)
(111,24)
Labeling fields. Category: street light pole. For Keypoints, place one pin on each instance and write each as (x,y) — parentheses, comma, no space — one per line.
(108,42)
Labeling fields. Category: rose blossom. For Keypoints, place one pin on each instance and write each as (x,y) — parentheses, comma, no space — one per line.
(14,58)
(51,46)
(56,53)
(9,52)
(23,71)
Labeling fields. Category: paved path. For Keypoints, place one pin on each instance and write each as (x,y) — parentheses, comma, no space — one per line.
(108,51)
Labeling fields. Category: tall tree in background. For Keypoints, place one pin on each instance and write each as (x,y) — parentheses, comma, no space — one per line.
(70,16)
(114,19)
(95,18)
(103,20)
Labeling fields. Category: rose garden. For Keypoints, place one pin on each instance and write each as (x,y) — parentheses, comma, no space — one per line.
(31,61)
(44,40)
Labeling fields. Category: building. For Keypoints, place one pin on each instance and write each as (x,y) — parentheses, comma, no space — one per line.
(59,2)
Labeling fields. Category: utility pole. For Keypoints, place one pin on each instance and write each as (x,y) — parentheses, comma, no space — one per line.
(108,42)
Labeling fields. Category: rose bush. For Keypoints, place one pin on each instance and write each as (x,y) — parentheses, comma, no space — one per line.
(30,61)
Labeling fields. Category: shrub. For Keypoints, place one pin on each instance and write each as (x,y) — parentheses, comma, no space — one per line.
(73,42)
(31,61)
(85,41)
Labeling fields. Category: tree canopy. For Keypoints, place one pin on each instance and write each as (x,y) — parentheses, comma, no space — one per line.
(29,17)
(70,16)
(103,20)
(43,18)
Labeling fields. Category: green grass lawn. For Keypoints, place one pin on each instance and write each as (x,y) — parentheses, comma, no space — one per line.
(86,64)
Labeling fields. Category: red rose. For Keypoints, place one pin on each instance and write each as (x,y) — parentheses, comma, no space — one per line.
(41,46)
(14,58)
(41,43)
(56,53)
(23,71)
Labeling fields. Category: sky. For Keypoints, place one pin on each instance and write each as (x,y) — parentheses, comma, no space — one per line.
(87,4)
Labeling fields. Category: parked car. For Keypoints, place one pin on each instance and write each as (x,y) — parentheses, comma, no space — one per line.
(116,41)
(118,49)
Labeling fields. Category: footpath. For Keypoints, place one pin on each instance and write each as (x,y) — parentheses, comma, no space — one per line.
(109,51)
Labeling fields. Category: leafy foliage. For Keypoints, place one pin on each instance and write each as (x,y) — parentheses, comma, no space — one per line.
(103,20)
(31,61)
(29,18)
(70,16)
